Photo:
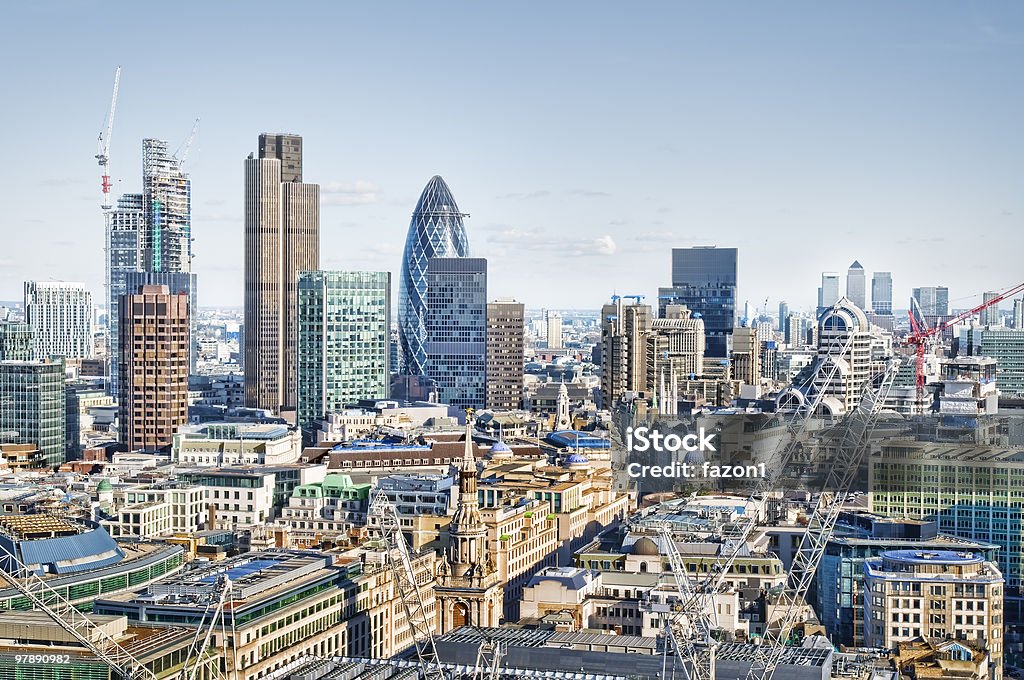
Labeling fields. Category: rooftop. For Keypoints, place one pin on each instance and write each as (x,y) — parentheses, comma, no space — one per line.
(38,526)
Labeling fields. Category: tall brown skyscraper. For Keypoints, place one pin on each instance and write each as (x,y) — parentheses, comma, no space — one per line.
(282,238)
(153,332)
(505,357)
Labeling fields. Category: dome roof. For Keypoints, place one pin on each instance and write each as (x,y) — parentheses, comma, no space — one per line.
(695,457)
(576,459)
(104,485)
(646,546)
(500,447)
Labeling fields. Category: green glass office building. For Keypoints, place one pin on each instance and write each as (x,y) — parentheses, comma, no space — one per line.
(32,407)
(344,333)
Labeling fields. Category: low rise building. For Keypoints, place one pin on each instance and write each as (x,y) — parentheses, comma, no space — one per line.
(228,444)
(153,510)
(239,497)
(839,580)
(934,594)
(163,650)
(287,605)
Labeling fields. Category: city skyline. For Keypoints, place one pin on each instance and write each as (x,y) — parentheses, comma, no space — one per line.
(938,165)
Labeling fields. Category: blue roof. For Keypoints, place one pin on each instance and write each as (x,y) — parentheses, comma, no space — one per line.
(573,439)
(242,570)
(70,554)
(932,556)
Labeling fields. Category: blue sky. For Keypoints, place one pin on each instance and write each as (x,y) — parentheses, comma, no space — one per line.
(585,139)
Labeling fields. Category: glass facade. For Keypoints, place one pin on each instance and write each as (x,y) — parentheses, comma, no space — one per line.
(32,407)
(15,341)
(436,230)
(344,341)
(704,279)
(1006,346)
(881,293)
(124,255)
(457,329)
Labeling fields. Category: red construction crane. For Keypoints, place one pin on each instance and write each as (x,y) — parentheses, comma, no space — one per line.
(103,143)
(919,336)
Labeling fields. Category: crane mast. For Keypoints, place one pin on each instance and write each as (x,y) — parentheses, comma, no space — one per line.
(854,444)
(103,143)
(399,561)
(695,646)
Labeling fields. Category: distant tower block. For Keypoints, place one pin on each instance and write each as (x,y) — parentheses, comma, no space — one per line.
(554,323)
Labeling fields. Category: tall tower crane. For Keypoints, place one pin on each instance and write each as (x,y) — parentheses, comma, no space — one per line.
(399,560)
(103,143)
(854,445)
(693,643)
(182,153)
(921,337)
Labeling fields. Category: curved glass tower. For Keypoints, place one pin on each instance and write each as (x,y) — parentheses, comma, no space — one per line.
(436,230)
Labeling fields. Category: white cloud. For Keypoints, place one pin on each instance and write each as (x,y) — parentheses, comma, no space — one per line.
(605,246)
(359,192)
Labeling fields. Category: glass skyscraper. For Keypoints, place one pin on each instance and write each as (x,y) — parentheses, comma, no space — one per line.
(881,293)
(32,407)
(704,279)
(436,230)
(456,327)
(343,344)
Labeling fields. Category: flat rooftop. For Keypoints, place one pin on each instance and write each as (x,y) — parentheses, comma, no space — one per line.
(38,526)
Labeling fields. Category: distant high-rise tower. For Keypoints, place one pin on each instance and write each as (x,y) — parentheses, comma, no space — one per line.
(746,355)
(704,280)
(828,293)
(990,315)
(1018,313)
(124,255)
(505,357)
(436,230)
(674,346)
(783,315)
(153,393)
(282,238)
(881,293)
(934,300)
(856,285)
(554,328)
(344,322)
(167,209)
(624,330)
(149,232)
(795,332)
(60,315)
(456,329)
(844,338)
(288,150)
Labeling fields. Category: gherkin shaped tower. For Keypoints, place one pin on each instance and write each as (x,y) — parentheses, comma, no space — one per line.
(436,230)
